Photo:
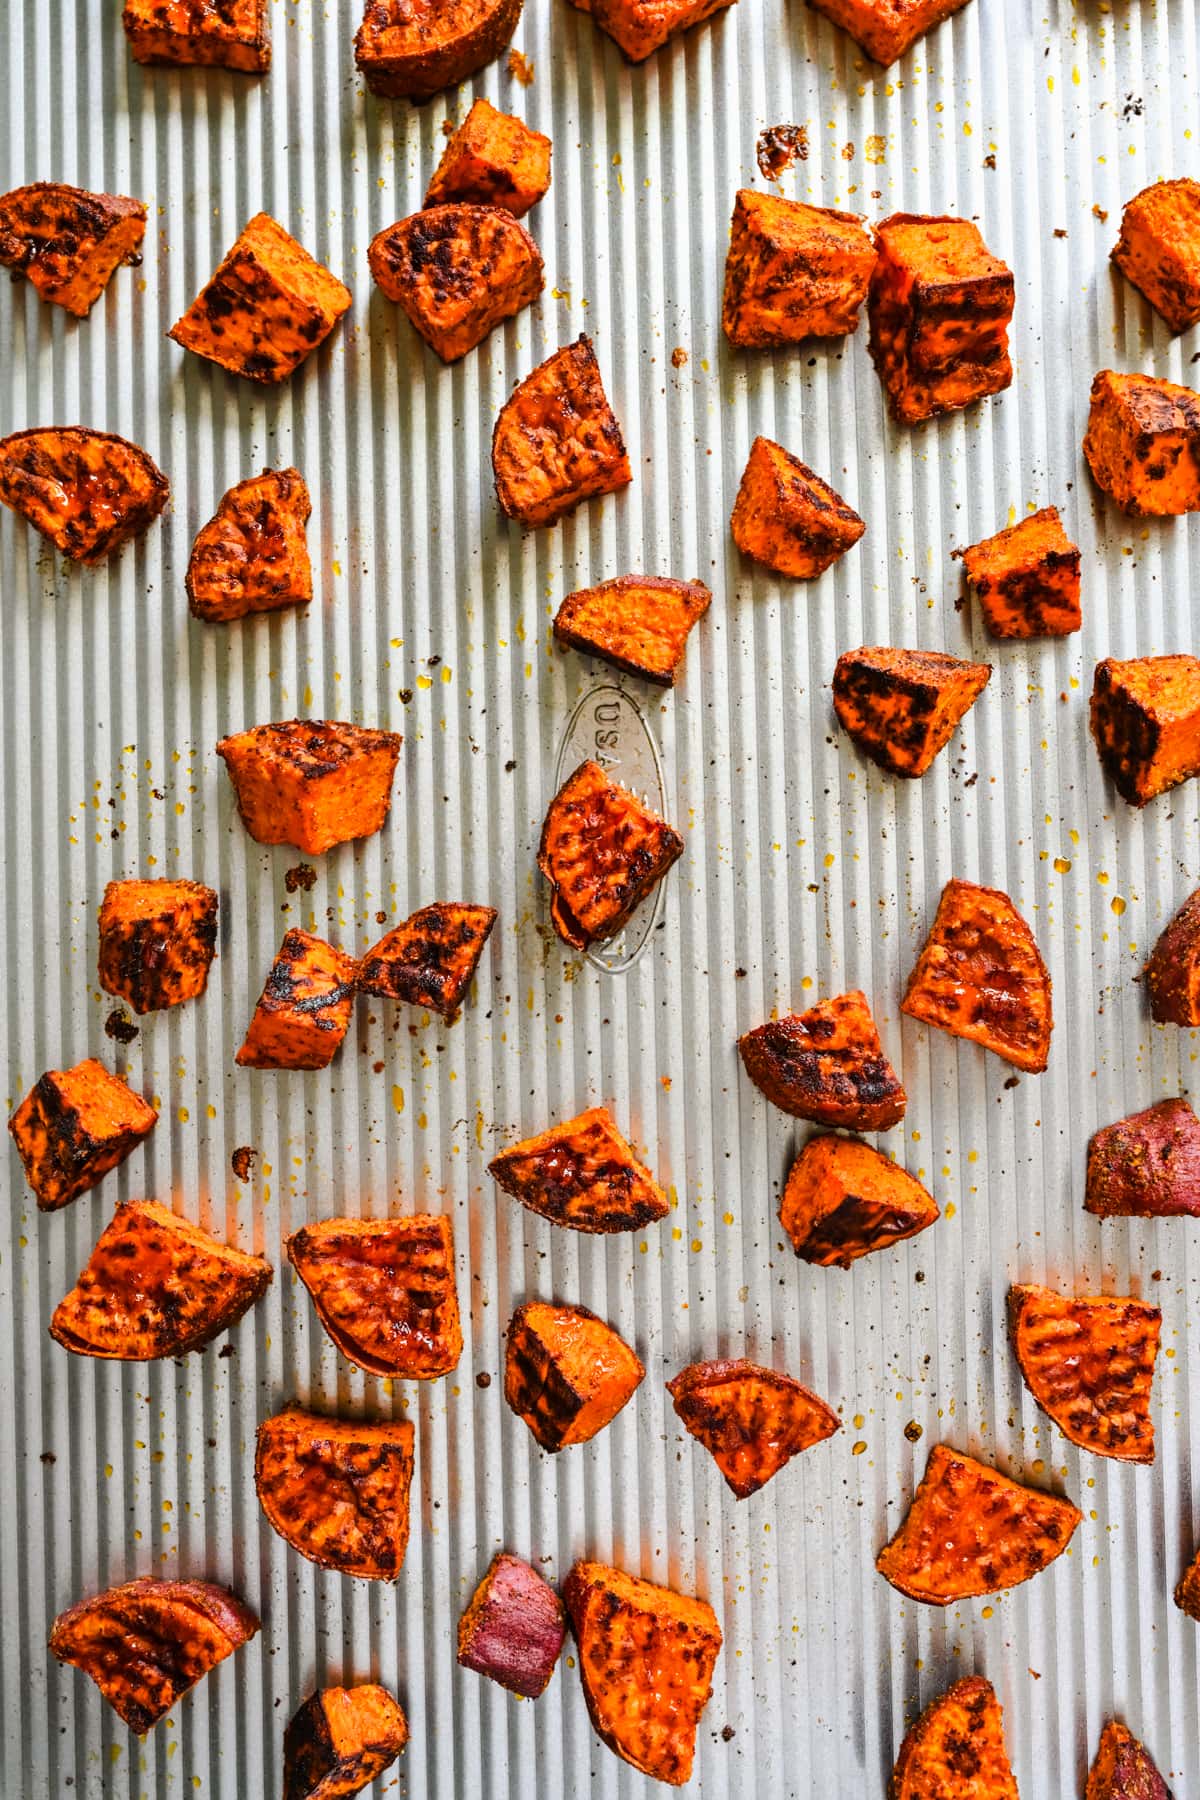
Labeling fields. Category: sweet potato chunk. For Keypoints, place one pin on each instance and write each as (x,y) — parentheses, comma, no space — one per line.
(431,959)
(157,941)
(557,441)
(340,1740)
(602,852)
(1145,718)
(639,623)
(940,305)
(566,1372)
(1089,1364)
(1142,443)
(885,29)
(267,306)
(312,783)
(844,1200)
(902,706)
(956,1749)
(458,271)
(514,1627)
(1172,974)
(338,1490)
(793,271)
(1146,1166)
(1026,578)
(252,556)
(89,492)
(145,1643)
(73,1126)
(156,1285)
(418,47)
(970,1530)
(787,518)
(384,1290)
(639,27)
(304,1010)
(826,1064)
(1187,1592)
(981,976)
(1159,249)
(582,1174)
(752,1420)
(227,34)
(646,1659)
(1123,1769)
(69,242)
(493,159)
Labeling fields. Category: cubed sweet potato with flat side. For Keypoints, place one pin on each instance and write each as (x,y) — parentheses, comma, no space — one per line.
(252,556)
(431,959)
(980,976)
(557,441)
(1123,1769)
(1187,1590)
(751,1420)
(493,159)
(89,492)
(826,1064)
(1146,1166)
(639,27)
(1026,578)
(69,242)
(1159,249)
(787,518)
(603,853)
(384,1290)
(1145,718)
(73,1126)
(1142,444)
(582,1173)
(885,29)
(458,271)
(639,623)
(1088,1361)
(956,1749)
(793,271)
(157,941)
(513,1628)
(843,1200)
(337,1490)
(566,1372)
(340,1740)
(1172,975)
(902,707)
(312,783)
(415,48)
(304,1010)
(226,34)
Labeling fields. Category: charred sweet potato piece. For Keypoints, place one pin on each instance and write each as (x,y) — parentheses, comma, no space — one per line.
(312,783)
(157,941)
(416,48)
(1089,1364)
(1142,443)
(69,242)
(1187,1592)
(1159,249)
(793,271)
(227,34)
(145,1643)
(752,1420)
(940,305)
(1146,1166)
(1172,975)
(1026,578)
(981,976)
(582,1174)
(787,518)
(566,1372)
(458,271)
(267,306)
(337,1490)
(637,622)
(252,556)
(956,1749)
(493,159)
(73,1126)
(1145,718)
(514,1627)
(646,1659)
(844,1200)
(557,441)
(602,852)
(384,1290)
(826,1064)
(89,492)
(340,1740)
(639,27)
(902,706)
(304,1010)
(885,29)
(1123,1769)
(431,959)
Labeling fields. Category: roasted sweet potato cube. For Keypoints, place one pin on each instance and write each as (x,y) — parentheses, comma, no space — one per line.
(267,306)
(956,1750)
(787,518)
(458,271)
(304,1010)
(1159,249)
(826,1064)
(1089,1364)
(1145,718)
(337,1490)
(431,959)
(981,977)
(902,706)
(493,159)
(384,1290)
(557,441)
(312,783)
(603,853)
(639,27)
(1026,578)
(1142,443)
(752,1420)
(340,1740)
(227,34)
(940,305)
(843,1200)
(1123,1769)
(89,492)
(566,1372)
(885,29)
(793,271)
(514,1627)
(1187,1591)
(252,556)
(73,1126)
(68,241)
(1146,1166)
(639,623)
(1172,975)
(145,1643)
(646,1659)
(582,1174)
(157,941)
(416,48)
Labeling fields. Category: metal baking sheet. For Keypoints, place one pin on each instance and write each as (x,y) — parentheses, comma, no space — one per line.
(805,872)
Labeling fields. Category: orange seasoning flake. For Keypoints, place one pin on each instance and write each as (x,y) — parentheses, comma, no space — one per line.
(1088,1361)
(384,1289)
(556,441)
(603,853)
(68,242)
(582,1173)
(787,518)
(75,1125)
(87,491)
(304,1010)
(458,271)
(981,976)
(639,623)
(340,1740)
(956,1749)
(843,1200)
(752,1420)
(826,1064)
(337,1490)
(566,1372)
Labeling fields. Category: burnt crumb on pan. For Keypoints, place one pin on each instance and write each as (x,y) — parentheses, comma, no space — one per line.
(120,1026)
(483,1379)
(243,1160)
(302,876)
(778,147)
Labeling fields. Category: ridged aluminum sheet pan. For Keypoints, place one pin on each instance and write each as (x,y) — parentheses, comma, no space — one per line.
(805,872)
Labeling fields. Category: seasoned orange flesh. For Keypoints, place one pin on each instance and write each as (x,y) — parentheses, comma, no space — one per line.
(981,976)
(970,1530)
(1187,1591)
(582,1173)
(787,518)
(1123,1769)
(252,556)
(69,242)
(1145,719)
(566,1372)
(826,1064)
(1089,1364)
(885,29)
(844,1200)
(557,441)
(793,271)
(1142,443)
(646,1659)
(639,27)
(513,1628)
(75,1125)
(1147,1165)
(431,959)
(493,159)
(384,1290)
(229,34)
(603,853)
(338,1490)
(339,1741)
(902,707)
(87,491)
(304,1010)
(1026,578)
(1172,975)
(752,1420)
(1159,249)
(418,47)
(157,941)
(313,783)
(639,623)
(457,270)
(956,1749)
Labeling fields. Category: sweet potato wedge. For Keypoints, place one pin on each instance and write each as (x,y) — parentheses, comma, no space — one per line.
(557,441)
(68,242)
(431,959)
(493,159)
(416,48)
(902,707)
(1187,1591)
(458,271)
(956,1749)
(582,1173)
(885,29)
(385,1292)
(639,623)
(1172,975)
(337,1490)
(639,27)
(252,556)
(843,1200)
(1142,443)
(226,34)
(156,1285)
(513,1628)
(1146,1166)
(304,1010)
(145,1643)
(73,1126)
(566,1372)
(980,976)
(1026,578)
(89,492)
(1088,1361)
(157,941)
(826,1064)
(793,271)
(340,1740)
(646,1660)
(752,1420)
(1123,1769)
(970,1530)
(787,518)
(603,853)
(1159,249)
(1145,719)
(312,783)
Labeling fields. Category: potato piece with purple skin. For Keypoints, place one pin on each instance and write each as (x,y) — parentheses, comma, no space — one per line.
(1146,1166)
(1123,1769)
(1172,974)
(514,1627)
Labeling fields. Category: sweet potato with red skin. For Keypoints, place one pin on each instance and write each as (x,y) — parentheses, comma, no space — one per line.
(1088,1361)
(646,1660)
(1145,719)
(337,1490)
(1172,975)
(556,441)
(252,556)
(69,242)
(157,941)
(156,1285)
(73,1126)
(431,959)
(1026,578)
(88,491)
(603,853)
(1159,249)
(566,1372)
(885,29)
(752,1420)
(843,1200)
(980,976)
(304,1010)
(513,1628)
(415,48)
(458,271)
(339,1741)
(956,1749)
(1142,444)
(226,34)
(902,707)
(826,1064)
(793,271)
(385,1292)
(312,783)
(787,518)
(145,1643)
(639,623)
(1187,1591)
(493,159)
(1146,1166)
(1123,1769)
(581,1173)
